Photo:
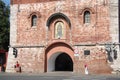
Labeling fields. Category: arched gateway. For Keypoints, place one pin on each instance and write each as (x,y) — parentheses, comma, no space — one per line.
(58,57)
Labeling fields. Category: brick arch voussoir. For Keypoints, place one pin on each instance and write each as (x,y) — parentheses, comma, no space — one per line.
(59,47)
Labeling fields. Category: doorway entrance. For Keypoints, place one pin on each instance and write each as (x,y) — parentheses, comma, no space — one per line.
(63,63)
(60,61)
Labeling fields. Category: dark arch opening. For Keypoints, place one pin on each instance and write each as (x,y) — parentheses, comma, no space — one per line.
(56,16)
(63,63)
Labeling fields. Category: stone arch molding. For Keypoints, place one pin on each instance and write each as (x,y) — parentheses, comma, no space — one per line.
(34,13)
(55,49)
(56,16)
(58,45)
(91,10)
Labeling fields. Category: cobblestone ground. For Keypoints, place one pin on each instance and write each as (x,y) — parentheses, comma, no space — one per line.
(55,76)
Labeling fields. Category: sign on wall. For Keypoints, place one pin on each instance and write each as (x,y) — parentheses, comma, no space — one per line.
(76,51)
(86,52)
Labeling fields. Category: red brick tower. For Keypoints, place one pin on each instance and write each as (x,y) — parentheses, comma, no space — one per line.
(59,35)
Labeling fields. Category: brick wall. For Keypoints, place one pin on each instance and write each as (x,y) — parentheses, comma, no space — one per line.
(25,38)
(98,28)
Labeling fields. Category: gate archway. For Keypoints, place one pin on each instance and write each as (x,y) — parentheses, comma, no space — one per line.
(59,54)
(63,62)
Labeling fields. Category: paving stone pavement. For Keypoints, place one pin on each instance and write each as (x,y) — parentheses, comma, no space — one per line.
(55,76)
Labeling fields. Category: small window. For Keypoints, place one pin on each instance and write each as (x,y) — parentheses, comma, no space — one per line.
(34,20)
(87,17)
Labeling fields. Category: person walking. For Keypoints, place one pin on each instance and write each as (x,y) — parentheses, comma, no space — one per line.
(86,69)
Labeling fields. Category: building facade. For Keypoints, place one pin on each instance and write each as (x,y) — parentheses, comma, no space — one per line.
(64,35)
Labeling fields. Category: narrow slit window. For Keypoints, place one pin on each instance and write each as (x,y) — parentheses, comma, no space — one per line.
(34,20)
(87,17)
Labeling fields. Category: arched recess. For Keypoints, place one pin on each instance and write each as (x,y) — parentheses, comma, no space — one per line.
(54,51)
(92,16)
(36,20)
(56,16)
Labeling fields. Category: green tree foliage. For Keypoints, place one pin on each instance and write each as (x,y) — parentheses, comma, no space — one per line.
(4,25)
